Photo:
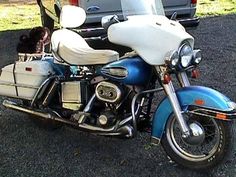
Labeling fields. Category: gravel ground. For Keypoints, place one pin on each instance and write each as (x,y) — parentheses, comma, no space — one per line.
(26,150)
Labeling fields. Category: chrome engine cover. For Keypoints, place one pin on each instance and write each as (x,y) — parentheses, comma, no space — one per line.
(108,92)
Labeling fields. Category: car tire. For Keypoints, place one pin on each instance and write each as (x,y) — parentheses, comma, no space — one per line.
(46,20)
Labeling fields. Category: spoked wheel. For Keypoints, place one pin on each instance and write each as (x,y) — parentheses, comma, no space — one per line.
(212,147)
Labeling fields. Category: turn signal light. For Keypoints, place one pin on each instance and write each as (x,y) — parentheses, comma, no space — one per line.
(166,79)
(195,73)
(221,116)
(199,102)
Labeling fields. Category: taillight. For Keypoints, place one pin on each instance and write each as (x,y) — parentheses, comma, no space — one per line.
(193,1)
(74,2)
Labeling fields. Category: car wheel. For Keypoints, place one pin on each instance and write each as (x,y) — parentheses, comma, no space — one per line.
(46,20)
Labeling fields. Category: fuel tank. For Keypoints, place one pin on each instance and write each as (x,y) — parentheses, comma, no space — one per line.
(129,71)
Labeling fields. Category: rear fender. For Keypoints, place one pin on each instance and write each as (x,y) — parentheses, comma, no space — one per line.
(190,96)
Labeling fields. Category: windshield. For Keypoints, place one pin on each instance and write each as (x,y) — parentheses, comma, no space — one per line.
(141,7)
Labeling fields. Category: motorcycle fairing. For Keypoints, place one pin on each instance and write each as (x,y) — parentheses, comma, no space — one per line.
(151,36)
(189,96)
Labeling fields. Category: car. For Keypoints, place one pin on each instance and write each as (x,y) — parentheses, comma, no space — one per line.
(96,9)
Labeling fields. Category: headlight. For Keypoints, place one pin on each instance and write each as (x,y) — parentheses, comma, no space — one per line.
(197,56)
(186,54)
(172,59)
(184,58)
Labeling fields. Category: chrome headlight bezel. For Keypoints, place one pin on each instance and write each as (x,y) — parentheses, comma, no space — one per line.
(185,54)
(172,59)
(197,57)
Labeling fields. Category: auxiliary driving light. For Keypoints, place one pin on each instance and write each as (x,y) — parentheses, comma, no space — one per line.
(197,56)
(172,59)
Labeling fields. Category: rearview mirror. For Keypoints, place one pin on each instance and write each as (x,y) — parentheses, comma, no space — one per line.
(109,20)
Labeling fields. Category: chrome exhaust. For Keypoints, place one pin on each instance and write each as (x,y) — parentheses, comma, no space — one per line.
(126,130)
(14,106)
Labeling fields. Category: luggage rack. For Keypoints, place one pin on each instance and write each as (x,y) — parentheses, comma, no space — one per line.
(24,57)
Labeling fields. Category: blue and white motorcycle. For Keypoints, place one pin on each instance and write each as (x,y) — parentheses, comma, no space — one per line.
(99,92)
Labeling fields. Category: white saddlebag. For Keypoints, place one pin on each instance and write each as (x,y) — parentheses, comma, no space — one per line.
(24,79)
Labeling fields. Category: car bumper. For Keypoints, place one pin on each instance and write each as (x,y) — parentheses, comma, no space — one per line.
(97,30)
(189,22)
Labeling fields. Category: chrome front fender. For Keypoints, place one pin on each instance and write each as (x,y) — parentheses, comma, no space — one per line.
(190,96)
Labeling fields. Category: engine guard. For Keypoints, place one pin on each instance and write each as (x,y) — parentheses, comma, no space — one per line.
(197,100)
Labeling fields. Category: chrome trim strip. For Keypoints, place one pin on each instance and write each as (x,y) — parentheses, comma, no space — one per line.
(18,85)
(209,113)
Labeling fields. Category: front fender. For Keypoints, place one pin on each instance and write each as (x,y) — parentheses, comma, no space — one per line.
(192,95)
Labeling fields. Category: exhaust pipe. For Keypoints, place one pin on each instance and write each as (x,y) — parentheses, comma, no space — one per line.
(124,130)
(14,106)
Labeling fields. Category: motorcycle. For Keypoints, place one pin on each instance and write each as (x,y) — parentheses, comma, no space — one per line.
(99,92)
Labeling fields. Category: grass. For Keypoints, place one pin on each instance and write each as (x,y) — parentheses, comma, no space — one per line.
(215,7)
(17,15)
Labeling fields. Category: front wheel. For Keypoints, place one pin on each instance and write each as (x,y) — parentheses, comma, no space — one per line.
(208,153)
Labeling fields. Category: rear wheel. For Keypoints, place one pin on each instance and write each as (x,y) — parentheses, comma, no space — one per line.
(46,20)
(216,144)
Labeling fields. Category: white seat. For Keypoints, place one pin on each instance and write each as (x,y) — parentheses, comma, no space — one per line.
(74,50)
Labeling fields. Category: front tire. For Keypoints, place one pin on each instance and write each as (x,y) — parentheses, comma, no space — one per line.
(216,146)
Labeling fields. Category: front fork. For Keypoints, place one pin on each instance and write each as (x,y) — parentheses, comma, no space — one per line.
(183,79)
(170,91)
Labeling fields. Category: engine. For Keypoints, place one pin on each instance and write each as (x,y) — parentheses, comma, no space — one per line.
(75,96)
(109,92)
